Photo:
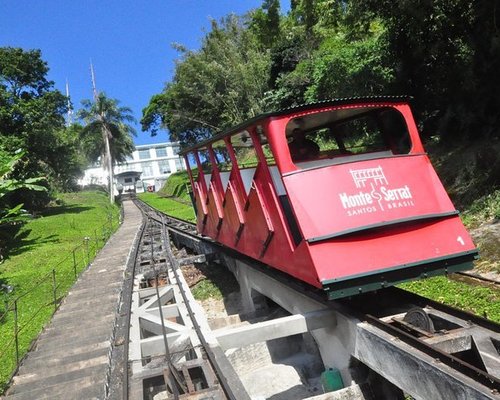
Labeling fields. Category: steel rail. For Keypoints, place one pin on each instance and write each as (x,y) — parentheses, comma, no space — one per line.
(226,387)
(172,371)
(161,218)
(451,361)
(128,300)
(475,279)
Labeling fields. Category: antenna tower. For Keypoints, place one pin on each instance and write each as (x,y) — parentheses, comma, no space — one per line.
(69,116)
(92,76)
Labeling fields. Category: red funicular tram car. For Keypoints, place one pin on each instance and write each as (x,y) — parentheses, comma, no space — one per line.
(338,194)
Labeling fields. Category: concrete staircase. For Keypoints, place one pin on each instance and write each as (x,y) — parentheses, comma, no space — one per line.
(71,358)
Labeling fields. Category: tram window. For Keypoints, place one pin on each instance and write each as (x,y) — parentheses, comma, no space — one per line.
(268,154)
(205,165)
(222,156)
(245,152)
(395,131)
(266,149)
(223,160)
(342,133)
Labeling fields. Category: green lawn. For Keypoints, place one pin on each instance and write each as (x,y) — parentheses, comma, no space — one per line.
(41,251)
(475,299)
(169,206)
(177,186)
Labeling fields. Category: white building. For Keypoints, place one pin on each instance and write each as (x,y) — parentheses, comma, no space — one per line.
(146,169)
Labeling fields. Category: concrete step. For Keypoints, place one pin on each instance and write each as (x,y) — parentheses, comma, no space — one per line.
(33,365)
(62,345)
(72,386)
(69,319)
(82,318)
(111,260)
(76,332)
(95,287)
(55,372)
(96,282)
(112,268)
(81,313)
(89,304)
(83,348)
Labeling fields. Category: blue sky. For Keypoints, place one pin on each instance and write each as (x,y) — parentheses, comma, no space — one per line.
(128,41)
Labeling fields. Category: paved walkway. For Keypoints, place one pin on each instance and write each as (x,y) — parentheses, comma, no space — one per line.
(71,359)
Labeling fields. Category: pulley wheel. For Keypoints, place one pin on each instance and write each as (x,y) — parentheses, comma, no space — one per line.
(419,319)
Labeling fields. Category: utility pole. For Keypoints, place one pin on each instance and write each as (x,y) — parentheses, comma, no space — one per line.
(106,135)
(69,117)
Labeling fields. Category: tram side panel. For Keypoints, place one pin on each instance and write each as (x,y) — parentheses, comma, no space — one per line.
(264,235)
(383,214)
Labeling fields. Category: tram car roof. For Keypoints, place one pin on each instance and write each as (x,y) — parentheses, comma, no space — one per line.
(366,100)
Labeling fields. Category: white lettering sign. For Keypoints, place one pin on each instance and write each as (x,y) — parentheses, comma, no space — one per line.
(381,197)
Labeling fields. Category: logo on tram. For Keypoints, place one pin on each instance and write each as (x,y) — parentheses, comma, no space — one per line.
(374,194)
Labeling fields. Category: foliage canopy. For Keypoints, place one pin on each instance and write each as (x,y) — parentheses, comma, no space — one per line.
(32,119)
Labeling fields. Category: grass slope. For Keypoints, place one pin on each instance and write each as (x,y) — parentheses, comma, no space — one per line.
(477,300)
(170,206)
(42,245)
(177,186)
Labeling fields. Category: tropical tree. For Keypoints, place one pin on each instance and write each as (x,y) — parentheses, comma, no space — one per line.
(11,214)
(32,118)
(220,85)
(107,133)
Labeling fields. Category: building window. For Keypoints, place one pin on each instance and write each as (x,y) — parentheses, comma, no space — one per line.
(176,149)
(178,164)
(164,167)
(130,157)
(161,152)
(147,169)
(125,167)
(144,154)
(128,180)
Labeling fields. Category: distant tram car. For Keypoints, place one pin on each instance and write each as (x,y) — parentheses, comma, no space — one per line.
(338,194)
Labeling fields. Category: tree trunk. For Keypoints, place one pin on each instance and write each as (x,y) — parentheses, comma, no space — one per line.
(109,160)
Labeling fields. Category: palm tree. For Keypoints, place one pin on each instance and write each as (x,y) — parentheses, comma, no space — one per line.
(107,133)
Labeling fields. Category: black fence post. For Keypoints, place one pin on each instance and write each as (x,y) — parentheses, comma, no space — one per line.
(110,220)
(74,262)
(54,289)
(96,240)
(86,240)
(16,332)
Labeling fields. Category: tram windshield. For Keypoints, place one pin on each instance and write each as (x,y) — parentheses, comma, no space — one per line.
(348,134)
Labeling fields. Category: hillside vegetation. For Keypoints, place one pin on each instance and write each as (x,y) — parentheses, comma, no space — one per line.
(177,185)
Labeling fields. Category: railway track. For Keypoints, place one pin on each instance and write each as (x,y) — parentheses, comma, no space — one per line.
(476,279)
(196,365)
(463,343)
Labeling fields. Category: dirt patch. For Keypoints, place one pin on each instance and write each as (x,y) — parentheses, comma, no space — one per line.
(214,308)
(192,274)
(487,239)
(214,287)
